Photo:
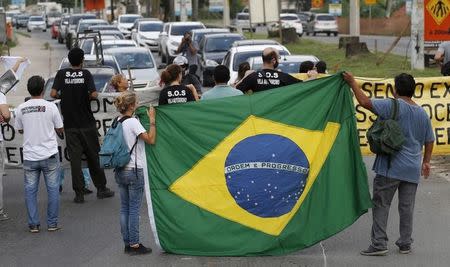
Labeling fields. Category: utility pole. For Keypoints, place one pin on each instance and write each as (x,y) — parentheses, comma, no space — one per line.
(226,13)
(194,10)
(172,10)
(354,18)
(417,28)
(183,10)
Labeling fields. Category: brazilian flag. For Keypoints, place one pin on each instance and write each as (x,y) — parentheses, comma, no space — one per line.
(262,174)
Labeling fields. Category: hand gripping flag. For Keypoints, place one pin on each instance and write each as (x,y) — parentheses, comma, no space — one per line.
(264,174)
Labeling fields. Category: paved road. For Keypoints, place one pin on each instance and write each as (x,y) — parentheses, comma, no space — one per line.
(91,237)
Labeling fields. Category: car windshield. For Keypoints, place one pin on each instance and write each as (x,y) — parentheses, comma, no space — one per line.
(286,67)
(220,44)
(244,56)
(136,60)
(289,18)
(85,26)
(199,35)
(101,79)
(22,17)
(86,46)
(114,45)
(243,17)
(325,17)
(128,19)
(76,19)
(151,27)
(182,29)
(102,27)
(54,14)
(36,19)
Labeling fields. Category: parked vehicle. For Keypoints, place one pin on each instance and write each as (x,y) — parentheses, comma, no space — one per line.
(241,51)
(291,20)
(212,50)
(36,23)
(287,63)
(22,21)
(88,47)
(54,29)
(144,73)
(146,33)
(242,21)
(171,36)
(126,22)
(71,33)
(198,34)
(92,61)
(322,23)
(84,24)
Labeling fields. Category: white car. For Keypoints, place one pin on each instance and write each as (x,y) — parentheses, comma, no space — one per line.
(322,23)
(146,33)
(171,36)
(287,63)
(125,23)
(242,21)
(241,51)
(144,73)
(291,20)
(36,23)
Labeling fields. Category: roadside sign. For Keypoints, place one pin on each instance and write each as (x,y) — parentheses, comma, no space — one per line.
(370,2)
(437,20)
(316,3)
(335,9)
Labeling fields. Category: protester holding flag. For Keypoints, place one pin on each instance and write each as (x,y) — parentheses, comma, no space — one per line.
(174,92)
(130,179)
(400,171)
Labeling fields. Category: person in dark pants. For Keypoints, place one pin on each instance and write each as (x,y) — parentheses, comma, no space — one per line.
(401,171)
(75,86)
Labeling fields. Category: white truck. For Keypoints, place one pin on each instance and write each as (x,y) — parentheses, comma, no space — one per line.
(51,10)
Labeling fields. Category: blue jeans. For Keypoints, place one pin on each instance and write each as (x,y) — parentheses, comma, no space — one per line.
(86,175)
(32,172)
(131,187)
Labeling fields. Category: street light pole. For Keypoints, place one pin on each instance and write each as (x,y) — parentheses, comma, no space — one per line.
(417,33)
(354,18)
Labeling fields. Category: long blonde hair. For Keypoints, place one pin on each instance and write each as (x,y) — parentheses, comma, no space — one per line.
(124,101)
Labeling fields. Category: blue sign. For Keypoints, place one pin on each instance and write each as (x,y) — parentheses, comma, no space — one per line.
(18,2)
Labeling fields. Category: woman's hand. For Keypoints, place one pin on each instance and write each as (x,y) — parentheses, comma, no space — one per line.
(151,114)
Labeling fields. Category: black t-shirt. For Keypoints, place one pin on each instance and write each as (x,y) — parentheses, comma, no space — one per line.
(265,79)
(192,79)
(175,94)
(75,87)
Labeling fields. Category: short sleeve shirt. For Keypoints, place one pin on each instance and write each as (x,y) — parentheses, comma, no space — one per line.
(266,79)
(132,128)
(75,87)
(416,126)
(175,94)
(444,47)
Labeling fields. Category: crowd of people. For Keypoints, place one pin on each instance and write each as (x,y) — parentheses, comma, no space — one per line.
(40,122)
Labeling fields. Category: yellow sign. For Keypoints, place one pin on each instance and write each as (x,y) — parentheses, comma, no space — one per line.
(316,3)
(439,10)
(370,2)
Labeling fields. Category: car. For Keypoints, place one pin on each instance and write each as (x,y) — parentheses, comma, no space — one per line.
(171,36)
(91,60)
(146,33)
(291,20)
(242,21)
(106,27)
(21,21)
(86,41)
(287,63)
(54,29)
(84,24)
(71,32)
(241,51)
(212,50)
(36,23)
(113,43)
(322,23)
(125,23)
(101,75)
(141,63)
(304,17)
(52,16)
(198,34)
(62,30)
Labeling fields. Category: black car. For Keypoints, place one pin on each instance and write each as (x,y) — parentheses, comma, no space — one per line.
(21,21)
(212,50)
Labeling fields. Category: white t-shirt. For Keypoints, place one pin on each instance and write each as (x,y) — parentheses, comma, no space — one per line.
(131,129)
(2,102)
(38,119)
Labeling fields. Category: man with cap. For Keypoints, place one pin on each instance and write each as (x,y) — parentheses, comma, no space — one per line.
(188,78)
(268,77)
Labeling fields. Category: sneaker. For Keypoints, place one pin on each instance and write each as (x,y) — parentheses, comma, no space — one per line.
(34,229)
(371,251)
(53,228)
(105,193)
(141,250)
(405,249)
(86,191)
(4,216)
(79,198)
(127,249)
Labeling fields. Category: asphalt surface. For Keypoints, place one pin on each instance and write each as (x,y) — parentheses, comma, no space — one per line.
(90,234)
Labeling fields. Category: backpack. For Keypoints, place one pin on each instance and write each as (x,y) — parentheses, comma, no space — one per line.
(114,152)
(385,136)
